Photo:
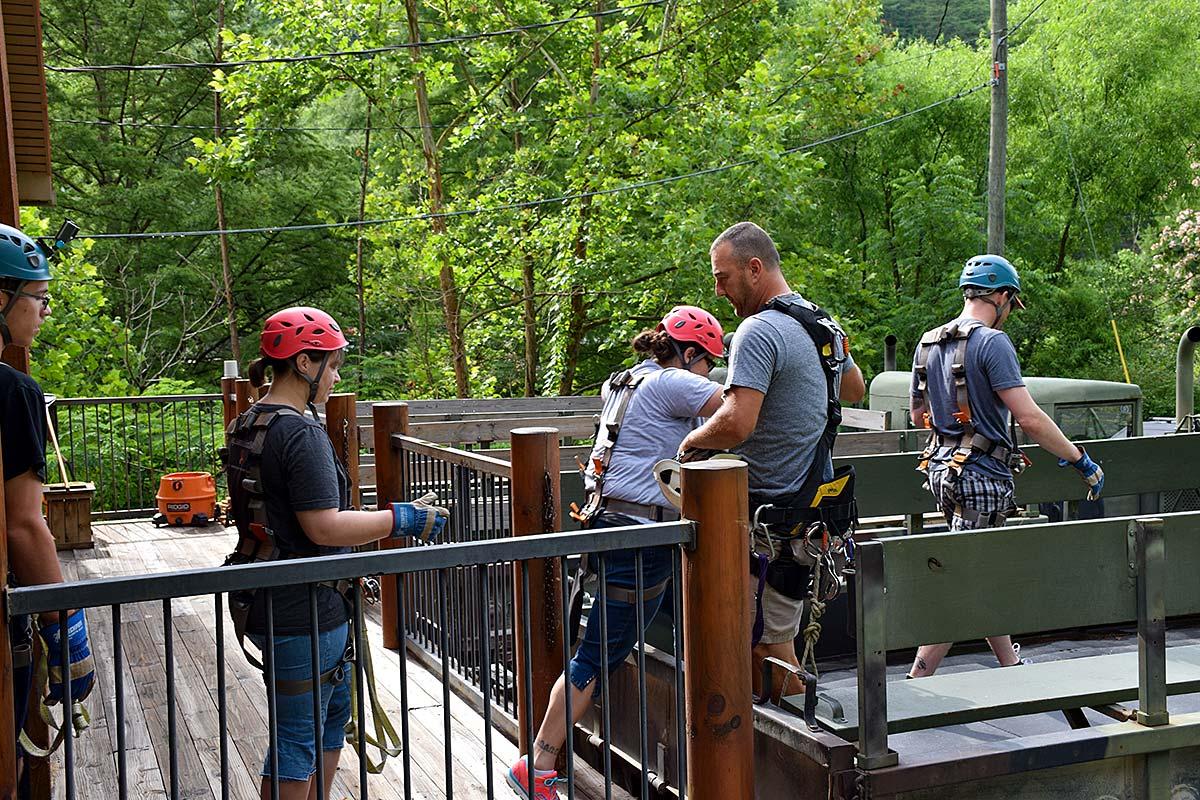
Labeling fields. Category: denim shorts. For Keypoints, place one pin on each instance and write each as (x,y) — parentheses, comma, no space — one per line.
(621,617)
(294,713)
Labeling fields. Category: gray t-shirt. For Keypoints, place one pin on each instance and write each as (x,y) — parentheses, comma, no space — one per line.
(773,354)
(662,411)
(991,366)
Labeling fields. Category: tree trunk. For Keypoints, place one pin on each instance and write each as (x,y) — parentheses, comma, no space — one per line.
(528,273)
(1060,262)
(577,321)
(890,226)
(433,169)
(358,245)
(226,271)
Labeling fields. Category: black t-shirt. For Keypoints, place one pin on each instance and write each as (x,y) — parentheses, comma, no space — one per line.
(300,472)
(22,424)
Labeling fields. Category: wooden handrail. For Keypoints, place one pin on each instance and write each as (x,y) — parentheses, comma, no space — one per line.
(462,458)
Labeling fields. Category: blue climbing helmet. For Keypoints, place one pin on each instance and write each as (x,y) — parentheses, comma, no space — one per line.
(22,261)
(21,258)
(985,274)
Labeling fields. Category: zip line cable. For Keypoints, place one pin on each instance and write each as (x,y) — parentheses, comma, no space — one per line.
(628,112)
(566,198)
(370,51)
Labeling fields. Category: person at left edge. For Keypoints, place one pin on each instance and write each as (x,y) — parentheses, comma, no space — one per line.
(290,497)
(32,557)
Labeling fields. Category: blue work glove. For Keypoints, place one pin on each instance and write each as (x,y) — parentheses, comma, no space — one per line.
(1090,471)
(420,519)
(81,669)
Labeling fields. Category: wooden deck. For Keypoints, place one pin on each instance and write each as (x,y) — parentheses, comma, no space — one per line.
(138,548)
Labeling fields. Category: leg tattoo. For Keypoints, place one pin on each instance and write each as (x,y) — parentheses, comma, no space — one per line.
(546,747)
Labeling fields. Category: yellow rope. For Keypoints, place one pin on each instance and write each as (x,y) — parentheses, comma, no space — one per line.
(1120,351)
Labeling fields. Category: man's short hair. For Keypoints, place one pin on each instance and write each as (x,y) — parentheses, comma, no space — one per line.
(749,241)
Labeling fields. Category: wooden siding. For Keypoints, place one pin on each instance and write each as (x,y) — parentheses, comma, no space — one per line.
(28,114)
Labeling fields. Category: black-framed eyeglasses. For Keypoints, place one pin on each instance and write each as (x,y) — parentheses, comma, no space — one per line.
(44,299)
(712,363)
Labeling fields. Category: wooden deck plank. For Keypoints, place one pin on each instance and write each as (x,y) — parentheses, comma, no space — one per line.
(142,772)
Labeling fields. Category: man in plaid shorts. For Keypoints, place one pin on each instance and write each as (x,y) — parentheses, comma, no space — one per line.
(966,384)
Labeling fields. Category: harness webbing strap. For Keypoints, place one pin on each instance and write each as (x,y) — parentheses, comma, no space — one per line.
(385,739)
(630,596)
(970,441)
(621,387)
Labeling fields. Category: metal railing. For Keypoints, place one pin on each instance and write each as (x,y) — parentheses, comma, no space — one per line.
(442,567)
(124,445)
(478,492)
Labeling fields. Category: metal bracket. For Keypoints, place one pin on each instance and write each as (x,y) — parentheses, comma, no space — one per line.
(889,759)
(808,679)
(690,545)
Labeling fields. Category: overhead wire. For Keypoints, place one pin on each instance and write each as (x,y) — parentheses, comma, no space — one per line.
(565,198)
(628,112)
(364,52)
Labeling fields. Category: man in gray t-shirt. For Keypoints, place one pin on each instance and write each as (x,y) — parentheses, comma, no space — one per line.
(968,466)
(775,405)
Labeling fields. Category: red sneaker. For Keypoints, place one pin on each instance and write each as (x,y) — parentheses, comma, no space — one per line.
(543,785)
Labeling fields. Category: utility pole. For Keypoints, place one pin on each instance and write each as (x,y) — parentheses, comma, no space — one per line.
(998,142)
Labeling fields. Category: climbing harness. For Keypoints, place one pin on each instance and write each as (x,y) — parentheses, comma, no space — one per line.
(621,386)
(257,543)
(822,514)
(970,442)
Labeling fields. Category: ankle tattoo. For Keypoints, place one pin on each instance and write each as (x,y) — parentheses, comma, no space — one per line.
(546,747)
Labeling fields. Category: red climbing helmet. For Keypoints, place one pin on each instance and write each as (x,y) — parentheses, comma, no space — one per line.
(692,324)
(297,329)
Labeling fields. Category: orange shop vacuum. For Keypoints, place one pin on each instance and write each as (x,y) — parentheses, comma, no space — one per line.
(186,498)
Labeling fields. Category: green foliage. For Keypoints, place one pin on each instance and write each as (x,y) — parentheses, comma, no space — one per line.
(81,348)
(1104,122)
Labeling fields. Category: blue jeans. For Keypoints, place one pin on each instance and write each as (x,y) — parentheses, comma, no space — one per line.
(621,571)
(294,713)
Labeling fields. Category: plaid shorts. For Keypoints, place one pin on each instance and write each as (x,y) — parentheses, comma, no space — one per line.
(980,496)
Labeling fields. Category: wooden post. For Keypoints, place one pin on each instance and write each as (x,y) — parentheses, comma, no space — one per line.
(341,423)
(8,728)
(535,509)
(389,419)
(717,687)
(242,390)
(229,399)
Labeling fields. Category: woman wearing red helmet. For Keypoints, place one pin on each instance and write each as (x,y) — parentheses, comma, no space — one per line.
(285,478)
(663,396)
